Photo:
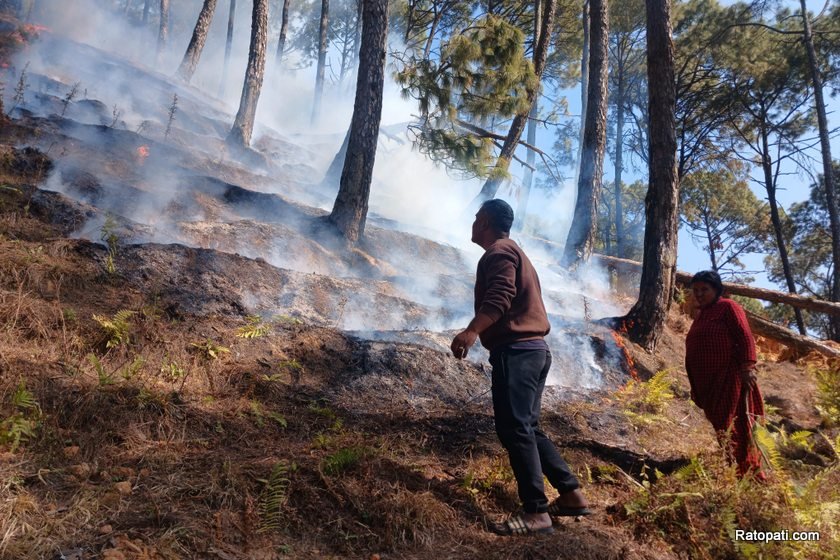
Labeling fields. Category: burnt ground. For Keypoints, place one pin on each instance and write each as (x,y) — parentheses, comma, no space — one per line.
(246,409)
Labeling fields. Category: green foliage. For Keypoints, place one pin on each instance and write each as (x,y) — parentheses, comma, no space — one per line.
(23,422)
(723,216)
(108,235)
(172,370)
(751,304)
(117,328)
(828,393)
(273,496)
(254,328)
(259,414)
(343,460)
(645,401)
(483,477)
(482,72)
(127,372)
(210,349)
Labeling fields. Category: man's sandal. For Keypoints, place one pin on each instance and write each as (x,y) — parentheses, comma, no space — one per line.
(516,526)
(556,510)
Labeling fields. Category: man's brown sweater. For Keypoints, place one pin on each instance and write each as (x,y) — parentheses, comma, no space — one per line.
(507,290)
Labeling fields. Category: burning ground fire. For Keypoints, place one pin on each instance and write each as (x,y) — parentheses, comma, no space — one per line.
(618,336)
(141,154)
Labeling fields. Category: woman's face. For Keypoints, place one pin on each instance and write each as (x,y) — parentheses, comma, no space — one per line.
(704,293)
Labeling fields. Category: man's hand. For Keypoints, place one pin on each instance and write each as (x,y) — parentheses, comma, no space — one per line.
(462,343)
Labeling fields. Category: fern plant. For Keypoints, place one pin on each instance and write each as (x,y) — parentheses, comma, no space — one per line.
(117,328)
(645,401)
(254,329)
(24,422)
(210,349)
(273,497)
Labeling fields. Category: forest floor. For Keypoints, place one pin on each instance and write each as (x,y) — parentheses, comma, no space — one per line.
(193,400)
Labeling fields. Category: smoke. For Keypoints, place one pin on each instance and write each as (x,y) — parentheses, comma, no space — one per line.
(186,188)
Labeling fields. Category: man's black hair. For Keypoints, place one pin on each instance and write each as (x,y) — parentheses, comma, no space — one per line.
(500,214)
(711,278)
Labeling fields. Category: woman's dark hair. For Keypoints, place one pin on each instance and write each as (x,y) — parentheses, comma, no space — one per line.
(711,278)
(500,214)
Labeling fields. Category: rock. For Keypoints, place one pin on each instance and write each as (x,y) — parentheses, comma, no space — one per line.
(124,488)
(82,471)
(71,452)
(106,530)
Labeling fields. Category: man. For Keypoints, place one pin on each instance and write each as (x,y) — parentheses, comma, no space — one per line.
(511,321)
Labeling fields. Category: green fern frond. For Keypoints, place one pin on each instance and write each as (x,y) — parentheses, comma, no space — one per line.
(24,400)
(116,328)
(273,497)
(254,329)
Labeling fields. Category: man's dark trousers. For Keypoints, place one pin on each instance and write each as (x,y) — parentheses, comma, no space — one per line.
(518,381)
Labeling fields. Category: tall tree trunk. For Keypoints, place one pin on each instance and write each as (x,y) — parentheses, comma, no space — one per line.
(775,218)
(646,319)
(146,6)
(492,184)
(243,126)
(360,6)
(619,161)
(531,158)
(284,29)
(323,29)
(351,205)
(825,145)
(428,48)
(582,232)
(163,32)
(584,84)
(228,47)
(199,37)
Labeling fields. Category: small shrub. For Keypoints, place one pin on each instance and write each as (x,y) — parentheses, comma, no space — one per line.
(116,328)
(645,401)
(273,496)
(343,460)
(828,393)
(210,350)
(108,235)
(23,423)
(254,329)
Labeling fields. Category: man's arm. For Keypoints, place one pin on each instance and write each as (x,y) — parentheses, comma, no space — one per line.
(501,289)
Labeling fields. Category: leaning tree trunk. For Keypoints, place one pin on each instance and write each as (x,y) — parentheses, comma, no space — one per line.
(243,126)
(351,205)
(491,186)
(531,158)
(163,32)
(228,47)
(778,229)
(582,233)
(199,37)
(646,319)
(322,59)
(333,174)
(825,145)
(584,84)
(284,29)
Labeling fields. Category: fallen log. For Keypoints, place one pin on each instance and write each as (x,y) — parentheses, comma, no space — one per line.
(800,344)
(802,302)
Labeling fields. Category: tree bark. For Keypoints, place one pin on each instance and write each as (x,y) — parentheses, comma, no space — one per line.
(284,30)
(646,318)
(199,37)
(531,158)
(243,126)
(825,145)
(146,6)
(775,218)
(619,159)
(228,47)
(323,30)
(428,48)
(492,184)
(581,236)
(349,212)
(584,84)
(163,32)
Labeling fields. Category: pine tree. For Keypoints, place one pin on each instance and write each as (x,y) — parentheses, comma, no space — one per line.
(349,212)
(199,37)
(646,319)
(228,47)
(323,43)
(243,126)
(163,32)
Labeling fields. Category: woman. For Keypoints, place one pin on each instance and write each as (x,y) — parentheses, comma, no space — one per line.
(720,361)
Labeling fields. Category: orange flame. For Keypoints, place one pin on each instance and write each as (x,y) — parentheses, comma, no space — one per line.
(628,358)
(142,154)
